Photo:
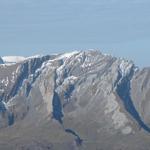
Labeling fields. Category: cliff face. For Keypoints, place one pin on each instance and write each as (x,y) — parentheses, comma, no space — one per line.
(79,100)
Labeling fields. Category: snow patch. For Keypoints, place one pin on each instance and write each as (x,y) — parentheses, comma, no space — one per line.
(35,56)
(17,59)
(68,55)
(125,67)
(85,65)
(62,69)
(13,59)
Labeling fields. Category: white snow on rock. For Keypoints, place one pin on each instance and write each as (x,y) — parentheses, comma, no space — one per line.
(68,55)
(13,59)
(66,60)
(17,59)
(125,67)
(35,56)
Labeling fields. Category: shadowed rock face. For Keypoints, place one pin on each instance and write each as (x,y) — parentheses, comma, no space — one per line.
(79,100)
(1,61)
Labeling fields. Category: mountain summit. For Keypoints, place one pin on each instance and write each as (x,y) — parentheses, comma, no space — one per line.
(82,100)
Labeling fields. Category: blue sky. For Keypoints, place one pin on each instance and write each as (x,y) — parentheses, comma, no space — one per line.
(118,27)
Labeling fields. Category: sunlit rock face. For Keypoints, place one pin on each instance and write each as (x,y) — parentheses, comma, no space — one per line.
(79,100)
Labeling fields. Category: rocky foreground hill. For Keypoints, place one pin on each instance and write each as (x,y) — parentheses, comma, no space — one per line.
(74,101)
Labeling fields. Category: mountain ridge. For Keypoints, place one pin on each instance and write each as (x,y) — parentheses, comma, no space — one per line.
(70,94)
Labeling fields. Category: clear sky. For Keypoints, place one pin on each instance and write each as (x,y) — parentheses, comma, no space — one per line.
(118,27)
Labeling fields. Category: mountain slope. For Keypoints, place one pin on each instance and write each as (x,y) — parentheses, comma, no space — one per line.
(79,100)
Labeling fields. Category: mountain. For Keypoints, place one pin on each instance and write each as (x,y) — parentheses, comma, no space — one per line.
(82,100)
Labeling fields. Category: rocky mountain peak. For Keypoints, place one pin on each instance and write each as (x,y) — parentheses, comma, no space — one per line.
(82,96)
